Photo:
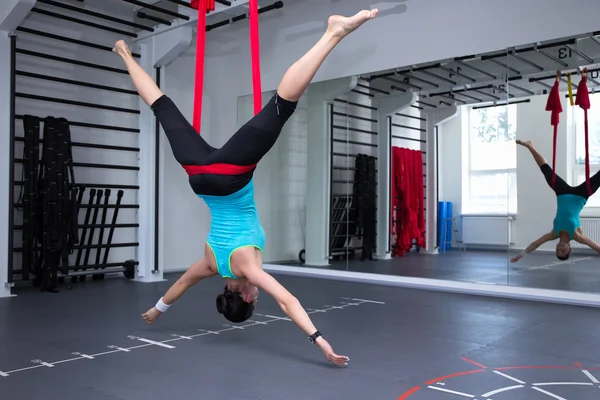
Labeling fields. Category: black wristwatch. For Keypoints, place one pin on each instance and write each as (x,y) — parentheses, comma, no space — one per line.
(312,338)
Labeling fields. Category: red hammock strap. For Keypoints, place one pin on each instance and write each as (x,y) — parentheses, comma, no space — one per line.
(588,184)
(255,50)
(554,158)
(199,78)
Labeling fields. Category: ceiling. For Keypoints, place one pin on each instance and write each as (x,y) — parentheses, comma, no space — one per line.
(489,78)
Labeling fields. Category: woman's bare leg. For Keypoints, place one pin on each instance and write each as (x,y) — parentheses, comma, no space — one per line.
(301,73)
(144,84)
(539,159)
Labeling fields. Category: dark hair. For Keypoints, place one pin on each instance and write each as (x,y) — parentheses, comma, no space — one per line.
(563,258)
(233,307)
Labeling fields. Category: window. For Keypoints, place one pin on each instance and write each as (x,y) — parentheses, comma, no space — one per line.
(490,181)
(594,145)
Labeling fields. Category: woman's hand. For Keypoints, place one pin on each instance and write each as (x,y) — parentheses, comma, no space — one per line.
(516,258)
(329,353)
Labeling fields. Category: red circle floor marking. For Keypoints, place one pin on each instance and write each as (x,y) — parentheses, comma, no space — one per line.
(407,394)
(411,391)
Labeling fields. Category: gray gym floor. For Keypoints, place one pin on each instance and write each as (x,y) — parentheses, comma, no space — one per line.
(581,273)
(90,343)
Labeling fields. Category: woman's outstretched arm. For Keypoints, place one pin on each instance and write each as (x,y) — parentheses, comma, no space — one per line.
(545,238)
(591,243)
(292,308)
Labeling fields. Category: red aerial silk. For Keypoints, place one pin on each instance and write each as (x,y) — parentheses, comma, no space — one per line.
(583,101)
(554,105)
(204,7)
(408,211)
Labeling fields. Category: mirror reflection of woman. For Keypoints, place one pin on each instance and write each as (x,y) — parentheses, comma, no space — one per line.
(570,201)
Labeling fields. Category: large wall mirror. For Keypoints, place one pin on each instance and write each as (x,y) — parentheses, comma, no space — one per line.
(463,151)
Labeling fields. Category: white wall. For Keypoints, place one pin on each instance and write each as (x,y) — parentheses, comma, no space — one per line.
(81,114)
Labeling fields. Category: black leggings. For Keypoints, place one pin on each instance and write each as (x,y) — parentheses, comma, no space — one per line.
(563,187)
(246,147)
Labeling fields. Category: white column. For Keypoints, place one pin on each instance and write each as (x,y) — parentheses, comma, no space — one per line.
(158,50)
(6,188)
(320,95)
(12,13)
(386,107)
(434,118)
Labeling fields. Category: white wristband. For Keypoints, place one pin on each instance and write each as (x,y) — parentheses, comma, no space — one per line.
(160,306)
(523,253)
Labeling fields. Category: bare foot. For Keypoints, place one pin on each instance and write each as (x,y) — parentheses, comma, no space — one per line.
(342,26)
(121,48)
(151,315)
(528,143)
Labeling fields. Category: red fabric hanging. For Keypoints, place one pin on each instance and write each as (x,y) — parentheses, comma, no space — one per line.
(583,101)
(407,199)
(555,106)
(201,5)
(255,51)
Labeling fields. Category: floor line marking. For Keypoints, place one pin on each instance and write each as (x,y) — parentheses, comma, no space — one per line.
(589,375)
(166,346)
(504,389)
(184,337)
(138,347)
(24,369)
(69,360)
(578,364)
(557,397)
(563,383)
(509,377)
(274,317)
(474,363)
(410,392)
(235,327)
(451,391)
(110,352)
(148,342)
(369,301)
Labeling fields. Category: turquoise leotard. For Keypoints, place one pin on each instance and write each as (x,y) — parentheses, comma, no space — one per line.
(567,213)
(235,224)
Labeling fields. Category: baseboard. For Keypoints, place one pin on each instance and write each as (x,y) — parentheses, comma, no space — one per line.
(480,289)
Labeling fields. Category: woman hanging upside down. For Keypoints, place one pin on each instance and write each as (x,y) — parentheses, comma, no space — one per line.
(570,201)
(223,178)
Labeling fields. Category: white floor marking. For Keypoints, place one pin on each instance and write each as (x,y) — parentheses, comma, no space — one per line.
(166,346)
(235,327)
(147,342)
(563,383)
(509,377)
(257,322)
(369,301)
(183,337)
(548,393)
(451,392)
(139,346)
(504,389)
(110,352)
(589,375)
(24,369)
(274,317)
(66,361)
